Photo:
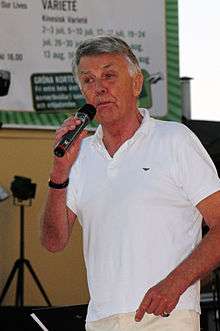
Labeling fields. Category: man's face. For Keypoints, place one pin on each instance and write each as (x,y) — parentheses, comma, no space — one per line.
(107,84)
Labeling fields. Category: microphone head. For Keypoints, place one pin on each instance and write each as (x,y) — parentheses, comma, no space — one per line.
(88,110)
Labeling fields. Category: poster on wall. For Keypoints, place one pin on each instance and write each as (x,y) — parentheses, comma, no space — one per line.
(39,37)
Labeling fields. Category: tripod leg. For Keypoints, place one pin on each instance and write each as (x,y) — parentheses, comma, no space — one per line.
(9,280)
(40,287)
(19,301)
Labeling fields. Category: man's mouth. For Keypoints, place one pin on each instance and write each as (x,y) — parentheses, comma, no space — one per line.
(103,103)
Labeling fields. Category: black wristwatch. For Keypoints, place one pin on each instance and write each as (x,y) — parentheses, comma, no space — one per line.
(51,184)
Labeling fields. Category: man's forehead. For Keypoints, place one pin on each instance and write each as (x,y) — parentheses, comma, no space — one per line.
(102,61)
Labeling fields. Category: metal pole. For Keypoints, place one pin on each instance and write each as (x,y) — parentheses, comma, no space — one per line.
(186,96)
(20,281)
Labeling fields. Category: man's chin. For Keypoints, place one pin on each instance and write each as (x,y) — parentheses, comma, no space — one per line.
(105,113)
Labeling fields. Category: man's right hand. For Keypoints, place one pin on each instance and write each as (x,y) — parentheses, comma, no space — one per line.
(62,165)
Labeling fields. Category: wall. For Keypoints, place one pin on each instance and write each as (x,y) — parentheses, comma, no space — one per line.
(29,153)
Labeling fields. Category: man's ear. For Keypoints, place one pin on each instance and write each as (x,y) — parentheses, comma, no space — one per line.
(138,80)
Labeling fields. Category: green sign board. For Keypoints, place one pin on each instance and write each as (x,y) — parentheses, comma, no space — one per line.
(41,89)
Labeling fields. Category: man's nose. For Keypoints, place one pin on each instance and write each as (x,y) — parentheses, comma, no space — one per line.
(100,87)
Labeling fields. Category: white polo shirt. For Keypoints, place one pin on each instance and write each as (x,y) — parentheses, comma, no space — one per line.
(137,211)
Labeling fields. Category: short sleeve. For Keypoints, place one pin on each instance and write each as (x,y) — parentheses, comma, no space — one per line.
(194,170)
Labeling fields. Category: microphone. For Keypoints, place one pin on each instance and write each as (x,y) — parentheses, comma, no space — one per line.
(85,114)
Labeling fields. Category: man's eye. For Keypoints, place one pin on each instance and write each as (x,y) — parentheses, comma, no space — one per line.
(87,80)
(109,75)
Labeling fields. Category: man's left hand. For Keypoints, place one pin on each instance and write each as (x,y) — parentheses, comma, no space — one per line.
(161,299)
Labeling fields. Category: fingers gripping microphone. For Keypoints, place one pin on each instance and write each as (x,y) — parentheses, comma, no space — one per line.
(85,114)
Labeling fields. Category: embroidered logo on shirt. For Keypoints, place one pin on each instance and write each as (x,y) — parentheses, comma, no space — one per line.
(146,169)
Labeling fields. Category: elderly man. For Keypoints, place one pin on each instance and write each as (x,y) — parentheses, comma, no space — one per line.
(140,188)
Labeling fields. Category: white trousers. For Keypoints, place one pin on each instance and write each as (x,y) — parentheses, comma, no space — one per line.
(179,320)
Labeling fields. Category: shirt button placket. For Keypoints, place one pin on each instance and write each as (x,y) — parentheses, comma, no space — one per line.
(112,169)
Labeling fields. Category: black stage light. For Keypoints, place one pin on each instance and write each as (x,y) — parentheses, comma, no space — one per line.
(22,188)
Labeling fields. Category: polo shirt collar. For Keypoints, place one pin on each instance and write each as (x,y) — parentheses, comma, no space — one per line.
(142,130)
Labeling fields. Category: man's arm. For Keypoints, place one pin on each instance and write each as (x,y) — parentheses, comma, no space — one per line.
(57,219)
(164,296)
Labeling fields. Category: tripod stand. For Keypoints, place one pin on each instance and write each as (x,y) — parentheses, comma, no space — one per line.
(19,265)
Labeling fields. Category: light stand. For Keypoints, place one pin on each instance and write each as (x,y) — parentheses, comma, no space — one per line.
(19,265)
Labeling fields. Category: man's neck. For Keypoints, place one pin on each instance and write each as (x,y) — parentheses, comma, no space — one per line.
(116,134)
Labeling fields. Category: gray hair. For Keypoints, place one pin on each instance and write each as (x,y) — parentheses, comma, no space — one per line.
(105,44)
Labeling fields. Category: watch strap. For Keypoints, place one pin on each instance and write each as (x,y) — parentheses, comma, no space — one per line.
(52,184)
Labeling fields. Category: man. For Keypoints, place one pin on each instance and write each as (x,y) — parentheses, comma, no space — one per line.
(140,188)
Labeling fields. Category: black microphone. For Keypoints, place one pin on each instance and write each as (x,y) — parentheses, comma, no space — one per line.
(85,114)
